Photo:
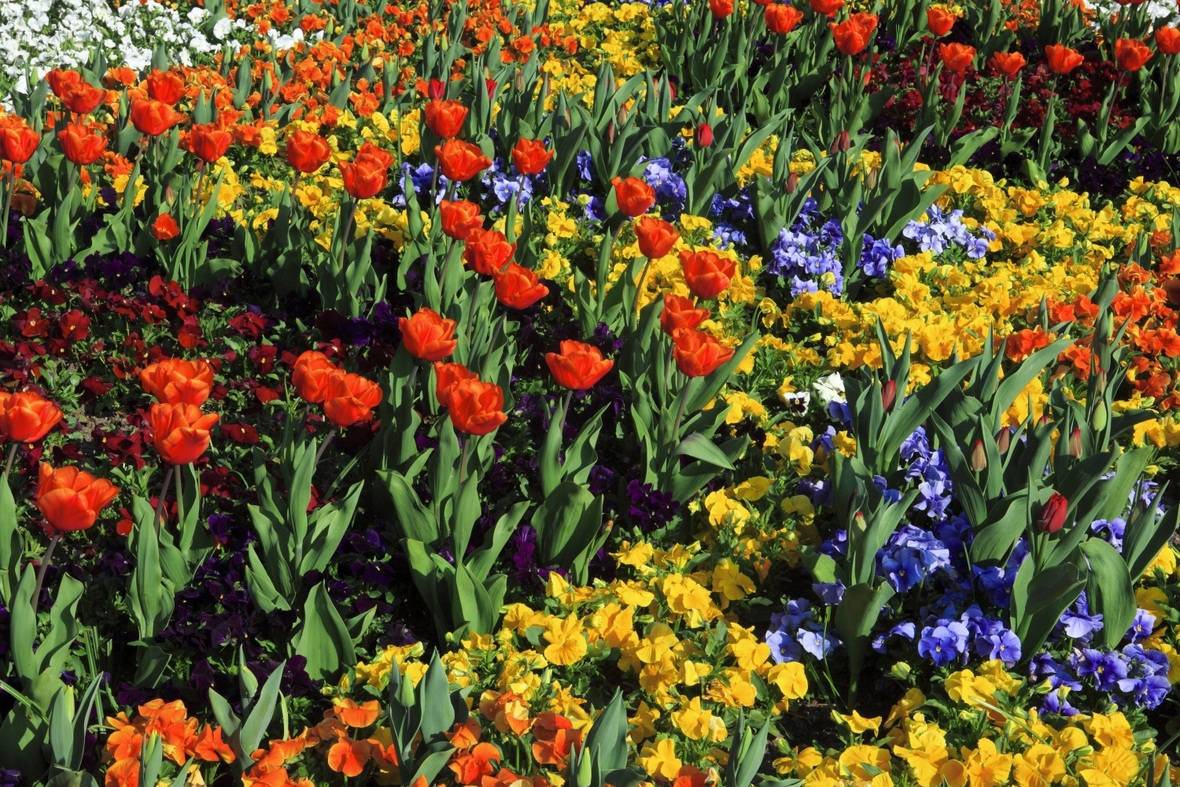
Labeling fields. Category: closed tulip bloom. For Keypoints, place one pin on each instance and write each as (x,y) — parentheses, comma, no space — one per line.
(71,499)
(153,117)
(702,136)
(349,399)
(445,118)
(180,432)
(488,251)
(307,152)
(61,79)
(782,18)
(460,218)
(27,417)
(1131,54)
(518,287)
(707,273)
(476,408)
(81,144)
(310,376)
(826,7)
(679,312)
(530,157)
(177,381)
(1167,39)
(1007,64)
(851,36)
(578,366)
(1052,516)
(166,86)
(428,335)
(939,20)
(165,227)
(720,8)
(368,173)
(1062,59)
(461,161)
(698,353)
(656,237)
(956,57)
(19,143)
(448,375)
(208,142)
(83,97)
(634,197)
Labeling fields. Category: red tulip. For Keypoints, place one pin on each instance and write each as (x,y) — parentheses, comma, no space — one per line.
(939,20)
(476,407)
(1131,54)
(706,273)
(826,7)
(83,97)
(165,227)
(488,251)
(208,142)
(782,18)
(448,375)
(656,237)
(634,197)
(530,157)
(579,366)
(956,57)
(518,287)
(349,398)
(679,312)
(81,144)
(1062,59)
(368,173)
(461,161)
(180,432)
(71,499)
(18,143)
(445,118)
(307,152)
(153,117)
(1052,516)
(1007,64)
(1167,39)
(310,376)
(702,136)
(720,9)
(177,381)
(166,86)
(698,353)
(428,335)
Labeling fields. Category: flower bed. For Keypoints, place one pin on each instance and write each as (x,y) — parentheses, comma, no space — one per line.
(479,394)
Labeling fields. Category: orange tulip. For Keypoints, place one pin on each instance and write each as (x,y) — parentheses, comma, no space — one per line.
(1131,54)
(349,398)
(177,381)
(165,227)
(476,407)
(782,18)
(368,173)
(61,80)
(447,376)
(83,97)
(1007,64)
(1062,59)
(459,218)
(488,251)
(634,197)
(445,118)
(307,152)
(720,9)
(461,161)
(1167,39)
(71,499)
(80,144)
(706,273)
(656,237)
(518,287)
(27,417)
(530,157)
(166,86)
(679,312)
(939,20)
(956,57)
(310,376)
(698,353)
(19,143)
(827,7)
(428,335)
(153,117)
(852,35)
(208,142)
(579,366)
(180,432)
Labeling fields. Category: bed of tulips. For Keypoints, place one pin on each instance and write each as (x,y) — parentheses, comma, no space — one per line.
(726,392)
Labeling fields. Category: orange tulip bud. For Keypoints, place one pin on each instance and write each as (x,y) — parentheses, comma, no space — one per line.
(165,227)
(71,499)
(208,142)
(488,251)
(939,20)
(1062,59)
(307,152)
(368,173)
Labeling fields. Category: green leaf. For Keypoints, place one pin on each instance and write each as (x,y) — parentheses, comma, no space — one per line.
(324,639)
(1109,590)
(698,446)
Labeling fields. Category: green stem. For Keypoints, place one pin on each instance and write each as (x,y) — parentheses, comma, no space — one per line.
(487,358)
(331,433)
(565,410)
(163,494)
(463,459)
(41,573)
(11,456)
(344,230)
(179,499)
(634,313)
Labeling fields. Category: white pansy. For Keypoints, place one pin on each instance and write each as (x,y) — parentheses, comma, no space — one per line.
(829,389)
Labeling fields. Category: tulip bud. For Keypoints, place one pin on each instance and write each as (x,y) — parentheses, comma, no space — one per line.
(490,84)
(858,522)
(888,395)
(842,143)
(1100,382)
(1099,419)
(610,132)
(169,194)
(1003,439)
(519,82)
(978,457)
(792,183)
(584,770)
(1075,443)
(1044,419)
(703,136)
(436,89)
(1052,516)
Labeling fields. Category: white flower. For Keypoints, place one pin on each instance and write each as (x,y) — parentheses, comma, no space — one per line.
(223,28)
(829,389)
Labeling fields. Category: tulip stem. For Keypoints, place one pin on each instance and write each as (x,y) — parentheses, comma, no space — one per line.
(565,410)
(463,459)
(344,230)
(163,493)
(324,446)
(680,413)
(41,573)
(487,358)
(11,181)
(197,192)
(179,500)
(639,291)
(11,457)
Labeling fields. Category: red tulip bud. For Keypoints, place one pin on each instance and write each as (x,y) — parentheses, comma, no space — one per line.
(436,89)
(703,136)
(888,395)
(491,86)
(792,183)
(1052,516)
(978,457)
(842,143)
(1003,439)
(859,523)
(1075,443)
